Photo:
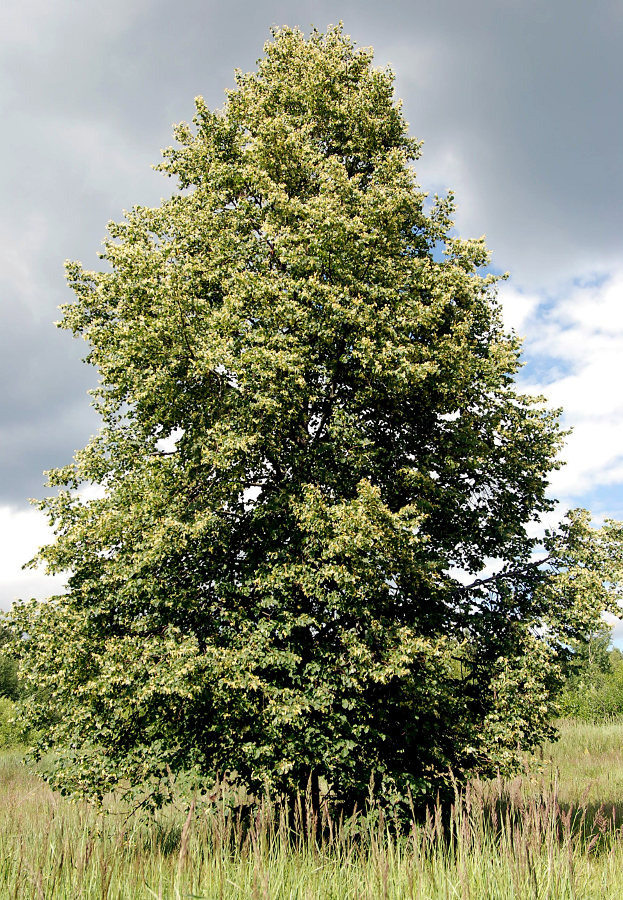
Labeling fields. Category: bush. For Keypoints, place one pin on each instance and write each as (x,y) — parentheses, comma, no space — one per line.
(12,734)
(9,682)
(596,693)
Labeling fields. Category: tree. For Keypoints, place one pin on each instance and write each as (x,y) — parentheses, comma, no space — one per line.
(9,684)
(309,423)
(593,688)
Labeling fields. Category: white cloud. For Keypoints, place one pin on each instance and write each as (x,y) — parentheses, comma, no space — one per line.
(23,532)
(517,307)
(617,629)
(573,344)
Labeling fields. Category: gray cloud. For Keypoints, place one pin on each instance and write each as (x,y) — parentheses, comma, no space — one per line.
(516,102)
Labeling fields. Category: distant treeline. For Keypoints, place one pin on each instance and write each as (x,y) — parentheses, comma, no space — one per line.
(594,688)
(11,733)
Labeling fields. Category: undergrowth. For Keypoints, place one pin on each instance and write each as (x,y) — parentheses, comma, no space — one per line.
(555,832)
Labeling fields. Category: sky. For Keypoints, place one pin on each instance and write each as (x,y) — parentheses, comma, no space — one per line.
(518,105)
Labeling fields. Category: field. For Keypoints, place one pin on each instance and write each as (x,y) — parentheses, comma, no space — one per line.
(556,832)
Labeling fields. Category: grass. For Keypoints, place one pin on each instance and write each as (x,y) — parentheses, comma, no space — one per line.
(556,832)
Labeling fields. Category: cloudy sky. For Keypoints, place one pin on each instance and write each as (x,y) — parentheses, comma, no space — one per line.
(517,101)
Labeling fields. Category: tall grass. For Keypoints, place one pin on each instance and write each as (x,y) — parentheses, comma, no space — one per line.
(556,832)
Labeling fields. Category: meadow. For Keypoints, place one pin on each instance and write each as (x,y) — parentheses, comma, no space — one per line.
(554,832)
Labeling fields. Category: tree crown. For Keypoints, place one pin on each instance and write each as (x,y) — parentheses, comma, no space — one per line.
(309,421)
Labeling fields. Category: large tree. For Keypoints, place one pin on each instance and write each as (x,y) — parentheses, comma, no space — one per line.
(309,428)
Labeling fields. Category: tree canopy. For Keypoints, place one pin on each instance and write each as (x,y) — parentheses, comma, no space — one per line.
(311,438)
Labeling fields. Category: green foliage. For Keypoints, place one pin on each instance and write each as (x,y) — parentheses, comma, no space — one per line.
(594,689)
(12,732)
(309,423)
(9,682)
